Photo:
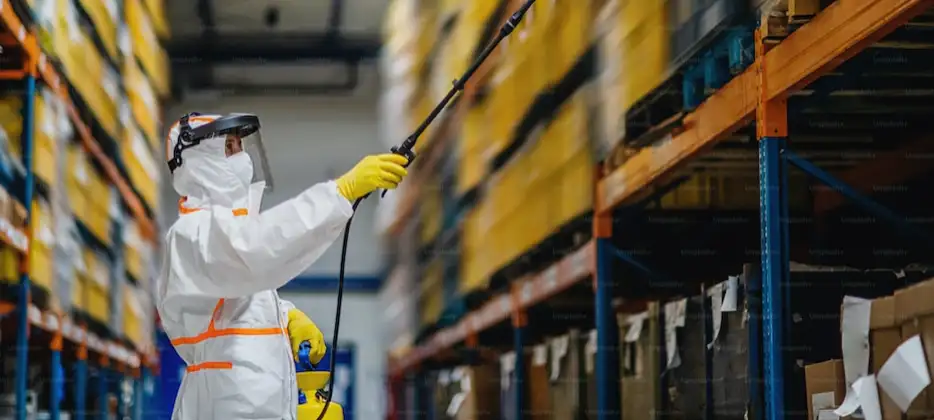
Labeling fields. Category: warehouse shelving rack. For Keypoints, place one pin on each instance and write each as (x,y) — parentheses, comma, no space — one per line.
(113,359)
(759,94)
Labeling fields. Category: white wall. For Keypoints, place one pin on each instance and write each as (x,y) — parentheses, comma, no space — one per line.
(310,139)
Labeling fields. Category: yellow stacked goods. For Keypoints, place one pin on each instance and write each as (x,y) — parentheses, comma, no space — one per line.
(144,102)
(430,207)
(94,79)
(105,15)
(141,166)
(634,55)
(156,9)
(91,293)
(471,245)
(146,47)
(501,115)
(46,147)
(137,252)
(133,315)
(11,119)
(466,35)
(569,32)
(9,265)
(42,247)
(431,299)
(472,162)
(89,194)
(53,129)
(569,155)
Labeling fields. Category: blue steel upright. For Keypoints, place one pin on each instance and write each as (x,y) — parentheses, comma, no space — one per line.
(518,372)
(607,357)
(81,387)
(22,320)
(56,385)
(102,395)
(773,207)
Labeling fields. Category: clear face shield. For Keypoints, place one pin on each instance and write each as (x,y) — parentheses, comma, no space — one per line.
(252,145)
(242,135)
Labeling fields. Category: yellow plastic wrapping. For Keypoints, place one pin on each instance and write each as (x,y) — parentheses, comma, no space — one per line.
(134,315)
(95,80)
(144,103)
(42,246)
(156,10)
(89,194)
(91,293)
(146,46)
(141,166)
(431,298)
(105,15)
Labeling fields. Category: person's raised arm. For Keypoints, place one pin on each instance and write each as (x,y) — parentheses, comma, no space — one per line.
(237,256)
(233,256)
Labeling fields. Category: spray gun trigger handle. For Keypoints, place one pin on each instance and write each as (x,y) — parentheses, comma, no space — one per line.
(402,151)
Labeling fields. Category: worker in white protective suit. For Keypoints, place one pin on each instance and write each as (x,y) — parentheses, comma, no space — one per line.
(224,260)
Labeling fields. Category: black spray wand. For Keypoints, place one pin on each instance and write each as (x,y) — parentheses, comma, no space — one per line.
(406,149)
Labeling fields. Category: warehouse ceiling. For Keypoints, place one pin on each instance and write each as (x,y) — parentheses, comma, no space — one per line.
(327,39)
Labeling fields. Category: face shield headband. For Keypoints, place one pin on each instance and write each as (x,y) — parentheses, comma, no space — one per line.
(246,127)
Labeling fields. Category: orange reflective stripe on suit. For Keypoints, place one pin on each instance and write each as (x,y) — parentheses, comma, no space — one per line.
(188,210)
(213,332)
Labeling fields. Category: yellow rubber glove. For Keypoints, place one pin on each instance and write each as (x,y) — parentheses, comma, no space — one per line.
(373,173)
(301,328)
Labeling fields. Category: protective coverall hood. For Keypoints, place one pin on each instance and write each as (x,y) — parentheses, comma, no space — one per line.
(210,178)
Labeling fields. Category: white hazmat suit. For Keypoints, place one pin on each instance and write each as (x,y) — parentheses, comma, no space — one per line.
(222,264)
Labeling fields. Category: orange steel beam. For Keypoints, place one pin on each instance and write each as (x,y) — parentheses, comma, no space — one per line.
(721,114)
(886,171)
(833,36)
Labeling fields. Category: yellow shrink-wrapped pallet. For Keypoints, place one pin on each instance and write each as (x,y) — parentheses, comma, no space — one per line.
(94,78)
(146,46)
(633,56)
(105,15)
(92,290)
(142,167)
(430,208)
(137,253)
(144,103)
(570,32)
(89,194)
(52,132)
(156,10)
(471,167)
(41,249)
(134,315)
(431,297)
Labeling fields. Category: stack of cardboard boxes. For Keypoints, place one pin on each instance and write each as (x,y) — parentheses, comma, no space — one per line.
(893,320)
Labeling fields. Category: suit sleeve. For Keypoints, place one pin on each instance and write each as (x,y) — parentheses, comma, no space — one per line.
(225,256)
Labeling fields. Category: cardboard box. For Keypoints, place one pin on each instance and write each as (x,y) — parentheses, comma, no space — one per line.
(826,385)
(884,338)
(639,365)
(481,388)
(566,375)
(914,312)
(539,388)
